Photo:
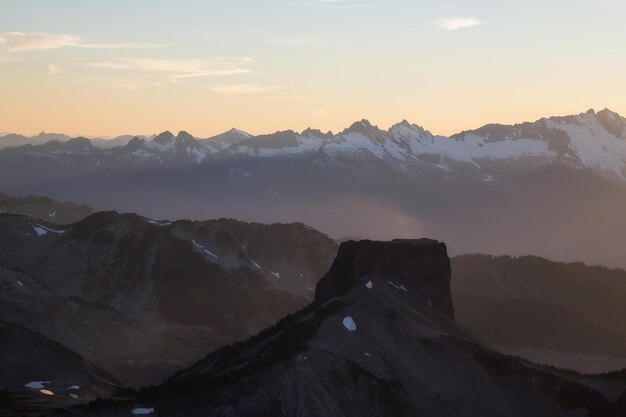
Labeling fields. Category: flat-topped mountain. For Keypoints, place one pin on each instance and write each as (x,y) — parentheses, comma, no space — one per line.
(371,346)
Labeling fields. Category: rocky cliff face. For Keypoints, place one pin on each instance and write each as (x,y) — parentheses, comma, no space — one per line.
(370,346)
(420,265)
(142,298)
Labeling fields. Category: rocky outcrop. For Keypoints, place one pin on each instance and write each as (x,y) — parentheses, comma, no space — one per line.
(422,265)
(161,294)
(370,347)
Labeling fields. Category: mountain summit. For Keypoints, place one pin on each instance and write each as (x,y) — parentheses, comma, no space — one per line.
(374,343)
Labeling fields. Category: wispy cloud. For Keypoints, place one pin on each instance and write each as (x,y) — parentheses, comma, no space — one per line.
(54,69)
(456,23)
(243,89)
(174,68)
(21,41)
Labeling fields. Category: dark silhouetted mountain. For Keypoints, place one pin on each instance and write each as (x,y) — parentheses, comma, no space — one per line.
(44,208)
(12,140)
(175,290)
(529,304)
(375,347)
(37,372)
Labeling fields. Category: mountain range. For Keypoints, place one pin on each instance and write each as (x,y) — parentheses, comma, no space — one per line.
(379,340)
(117,301)
(556,184)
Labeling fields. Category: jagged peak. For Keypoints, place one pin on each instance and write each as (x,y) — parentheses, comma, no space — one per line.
(163,138)
(365,128)
(406,125)
(315,133)
(238,132)
(184,136)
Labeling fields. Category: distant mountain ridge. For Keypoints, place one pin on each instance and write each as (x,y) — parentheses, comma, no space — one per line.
(589,140)
(561,178)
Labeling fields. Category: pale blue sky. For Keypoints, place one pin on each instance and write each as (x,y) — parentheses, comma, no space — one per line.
(139,66)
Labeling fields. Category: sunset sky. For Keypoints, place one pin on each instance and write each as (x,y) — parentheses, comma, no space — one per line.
(143,66)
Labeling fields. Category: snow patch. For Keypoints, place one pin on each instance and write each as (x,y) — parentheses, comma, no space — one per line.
(143,410)
(43,230)
(46,391)
(20,283)
(256,265)
(348,323)
(276,274)
(74,396)
(40,231)
(36,384)
(205,250)
(369,284)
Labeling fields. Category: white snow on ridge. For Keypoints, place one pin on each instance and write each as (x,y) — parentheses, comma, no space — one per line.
(595,147)
(305,144)
(43,230)
(205,250)
(353,142)
(276,274)
(256,264)
(401,287)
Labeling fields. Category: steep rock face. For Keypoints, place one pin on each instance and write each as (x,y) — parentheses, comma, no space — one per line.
(422,265)
(368,347)
(171,291)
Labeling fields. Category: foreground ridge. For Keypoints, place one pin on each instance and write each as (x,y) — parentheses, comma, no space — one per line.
(374,343)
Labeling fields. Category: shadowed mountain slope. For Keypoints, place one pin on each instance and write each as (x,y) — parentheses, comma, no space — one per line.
(142,298)
(378,341)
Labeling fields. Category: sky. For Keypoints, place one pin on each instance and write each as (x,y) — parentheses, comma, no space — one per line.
(104,68)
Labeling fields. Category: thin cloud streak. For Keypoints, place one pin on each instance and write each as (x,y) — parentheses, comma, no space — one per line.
(21,41)
(456,23)
(174,68)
